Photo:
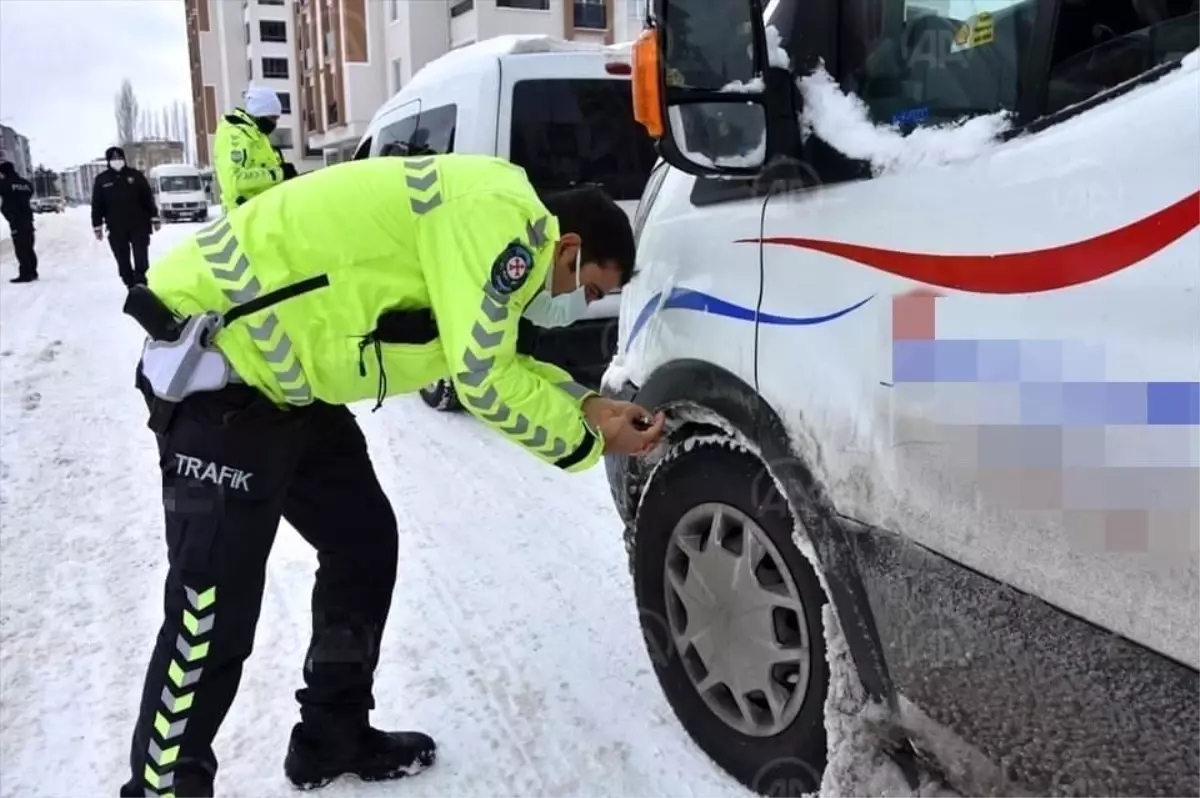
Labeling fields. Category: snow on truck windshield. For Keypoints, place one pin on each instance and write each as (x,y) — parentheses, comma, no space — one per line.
(177,183)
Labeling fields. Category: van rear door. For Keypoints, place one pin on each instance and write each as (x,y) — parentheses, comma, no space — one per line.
(568,122)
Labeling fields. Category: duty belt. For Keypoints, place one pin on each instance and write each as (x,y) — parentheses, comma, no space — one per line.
(178,358)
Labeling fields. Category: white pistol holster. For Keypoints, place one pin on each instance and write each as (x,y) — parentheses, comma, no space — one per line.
(189,364)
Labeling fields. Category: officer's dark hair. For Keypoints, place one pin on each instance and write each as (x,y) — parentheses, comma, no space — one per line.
(600,224)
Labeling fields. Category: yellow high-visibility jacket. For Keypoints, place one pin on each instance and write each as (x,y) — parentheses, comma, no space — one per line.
(246,162)
(463,235)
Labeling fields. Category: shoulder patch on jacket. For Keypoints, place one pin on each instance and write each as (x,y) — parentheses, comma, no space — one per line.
(511,268)
(237,156)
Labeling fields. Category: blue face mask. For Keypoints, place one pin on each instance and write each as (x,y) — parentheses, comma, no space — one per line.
(546,310)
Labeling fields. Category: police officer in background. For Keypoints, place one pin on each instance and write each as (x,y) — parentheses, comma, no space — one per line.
(122,201)
(365,280)
(16,193)
(245,160)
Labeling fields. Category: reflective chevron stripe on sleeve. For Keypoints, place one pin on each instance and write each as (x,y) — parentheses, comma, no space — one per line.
(231,268)
(487,335)
(178,694)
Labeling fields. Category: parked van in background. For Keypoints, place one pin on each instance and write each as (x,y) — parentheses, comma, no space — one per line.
(562,111)
(179,192)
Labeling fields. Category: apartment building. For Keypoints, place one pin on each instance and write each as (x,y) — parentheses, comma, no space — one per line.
(15,148)
(230,44)
(354,54)
(269,31)
(77,181)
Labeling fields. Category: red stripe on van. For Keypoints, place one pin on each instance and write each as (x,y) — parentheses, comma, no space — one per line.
(1023,272)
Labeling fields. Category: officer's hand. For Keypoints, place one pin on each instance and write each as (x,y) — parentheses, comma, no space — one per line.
(627,428)
(99,231)
(289,171)
(156,224)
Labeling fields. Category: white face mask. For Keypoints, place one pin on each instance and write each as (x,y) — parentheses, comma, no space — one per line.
(546,310)
(117,165)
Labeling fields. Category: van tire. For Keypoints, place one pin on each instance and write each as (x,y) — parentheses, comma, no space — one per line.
(441,396)
(792,761)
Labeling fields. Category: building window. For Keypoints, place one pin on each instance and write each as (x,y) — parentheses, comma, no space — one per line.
(271,30)
(532,5)
(281,137)
(270,2)
(249,69)
(247,35)
(331,113)
(460,7)
(396,75)
(395,10)
(590,14)
(275,68)
(285,101)
(329,44)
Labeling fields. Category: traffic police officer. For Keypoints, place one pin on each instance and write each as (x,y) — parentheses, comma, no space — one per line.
(246,162)
(364,280)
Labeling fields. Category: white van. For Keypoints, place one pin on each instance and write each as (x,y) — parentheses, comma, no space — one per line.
(561,110)
(932,394)
(179,191)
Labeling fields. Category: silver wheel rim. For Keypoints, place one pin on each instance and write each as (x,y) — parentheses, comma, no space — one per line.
(736,619)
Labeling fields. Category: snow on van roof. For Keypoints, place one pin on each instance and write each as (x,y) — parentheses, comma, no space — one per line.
(164,168)
(515,44)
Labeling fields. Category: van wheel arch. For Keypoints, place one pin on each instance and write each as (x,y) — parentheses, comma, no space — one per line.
(711,400)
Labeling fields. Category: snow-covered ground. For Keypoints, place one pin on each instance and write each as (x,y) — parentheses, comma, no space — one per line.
(513,636)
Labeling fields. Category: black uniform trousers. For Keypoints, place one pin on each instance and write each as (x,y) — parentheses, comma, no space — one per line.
(232,464)
(131,248)
(23,241)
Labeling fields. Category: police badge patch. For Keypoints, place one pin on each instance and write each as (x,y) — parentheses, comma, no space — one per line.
(511,268)
(237,156)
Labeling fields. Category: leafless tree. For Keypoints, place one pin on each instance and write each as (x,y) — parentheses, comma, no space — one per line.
(126,112)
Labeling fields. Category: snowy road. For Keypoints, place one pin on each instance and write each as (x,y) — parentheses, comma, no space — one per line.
(513,637)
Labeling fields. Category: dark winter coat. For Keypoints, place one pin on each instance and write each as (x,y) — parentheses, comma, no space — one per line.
(123,201)
(15,195)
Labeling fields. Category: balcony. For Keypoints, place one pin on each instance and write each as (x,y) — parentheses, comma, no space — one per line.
(593,16)
(460,7)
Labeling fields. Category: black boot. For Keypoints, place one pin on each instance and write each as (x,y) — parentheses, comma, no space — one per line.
(374,756)
(24,278)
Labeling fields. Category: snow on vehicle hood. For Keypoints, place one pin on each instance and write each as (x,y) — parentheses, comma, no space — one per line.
(843,121)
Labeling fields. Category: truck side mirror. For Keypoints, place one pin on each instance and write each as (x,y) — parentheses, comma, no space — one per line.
(699,85)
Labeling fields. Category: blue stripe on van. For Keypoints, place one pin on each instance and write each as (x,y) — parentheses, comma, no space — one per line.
(689,299)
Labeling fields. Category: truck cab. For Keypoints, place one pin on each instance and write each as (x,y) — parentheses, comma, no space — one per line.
(918,292)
